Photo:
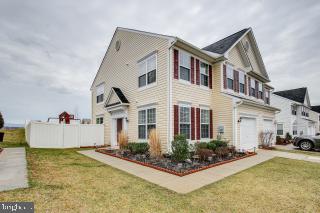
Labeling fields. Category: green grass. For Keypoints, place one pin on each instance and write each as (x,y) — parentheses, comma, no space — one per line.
(63,180)
(297,151)
(13,138)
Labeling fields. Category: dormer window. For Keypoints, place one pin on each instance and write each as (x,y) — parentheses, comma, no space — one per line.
(230,77)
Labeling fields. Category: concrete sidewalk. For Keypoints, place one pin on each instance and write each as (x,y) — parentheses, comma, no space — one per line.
(183,184)
(13,169)
(289,155)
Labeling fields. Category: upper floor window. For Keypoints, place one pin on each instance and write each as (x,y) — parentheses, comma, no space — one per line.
(185,121)
(204,72)
(230,77)
(146,122)
(294,110)
(253,87)
(241,82)
(260,90)
(304,111)
(99,93)
(148,71)
(205,123)
(185,66)
(267,98)
(279,129)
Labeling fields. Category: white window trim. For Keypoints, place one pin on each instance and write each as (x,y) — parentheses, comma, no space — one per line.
(100,85)
(282,129)
(180,65)
(201,73)
(204,108)
(146,72)
(146,123)
(186,106)
(100,116)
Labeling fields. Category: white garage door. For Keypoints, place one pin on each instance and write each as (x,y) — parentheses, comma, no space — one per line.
(248,134)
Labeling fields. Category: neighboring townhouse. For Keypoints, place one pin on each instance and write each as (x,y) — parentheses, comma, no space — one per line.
(148,80)
(316,109)
(296,116)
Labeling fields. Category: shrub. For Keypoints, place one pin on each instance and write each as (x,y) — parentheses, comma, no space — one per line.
(279,140)
(180,148)
(219,143)
(123,140)
(202,145)
(204,154)
(1,121)
(212,146)
(288,137)
(154,144)
(138,148)
(222,151)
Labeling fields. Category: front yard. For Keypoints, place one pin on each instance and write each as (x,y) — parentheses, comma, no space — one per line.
(63,180)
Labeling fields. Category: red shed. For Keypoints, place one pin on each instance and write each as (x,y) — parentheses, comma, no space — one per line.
(65,117)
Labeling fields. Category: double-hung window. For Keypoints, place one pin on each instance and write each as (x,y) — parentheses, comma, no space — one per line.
(185,121)
(294,130)
(205,123)
(147,71)
(253,88)
(267,98)
(260,90)
(294,110)
(99,93)
(99,120)
(204,72)
(185,64)
(146,122)
(230,77)
(279,129)
(241,82)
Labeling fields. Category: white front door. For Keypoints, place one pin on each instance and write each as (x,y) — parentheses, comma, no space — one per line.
(248,133)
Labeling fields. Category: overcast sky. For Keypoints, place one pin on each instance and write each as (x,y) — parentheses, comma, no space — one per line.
(50,50)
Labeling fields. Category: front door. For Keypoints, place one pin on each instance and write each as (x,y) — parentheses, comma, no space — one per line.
(119,127)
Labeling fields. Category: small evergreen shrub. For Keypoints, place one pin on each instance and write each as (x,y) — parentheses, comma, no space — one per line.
(202,145)
(138,148)
(212,146)
(288,137)
(180,148)
(219,143)
(1,121)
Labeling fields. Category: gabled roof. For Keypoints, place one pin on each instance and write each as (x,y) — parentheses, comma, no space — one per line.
(122,98)
(297,95)
(223,45)
(316,108)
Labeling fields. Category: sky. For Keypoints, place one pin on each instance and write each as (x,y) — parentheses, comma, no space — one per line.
(50,51)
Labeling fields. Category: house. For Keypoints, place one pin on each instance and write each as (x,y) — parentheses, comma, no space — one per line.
(296,116)
(148,80)
(316,109)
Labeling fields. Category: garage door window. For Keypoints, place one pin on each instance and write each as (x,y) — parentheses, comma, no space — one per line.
(279,129)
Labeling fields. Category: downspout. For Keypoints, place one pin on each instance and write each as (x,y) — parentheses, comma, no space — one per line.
(169,108)
(235,122)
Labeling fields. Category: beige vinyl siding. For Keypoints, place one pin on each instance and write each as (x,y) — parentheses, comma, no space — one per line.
(222,105)
(120,69)
(252,56)
(235,57)
(259,113)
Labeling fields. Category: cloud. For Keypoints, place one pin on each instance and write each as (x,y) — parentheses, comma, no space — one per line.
(50,50)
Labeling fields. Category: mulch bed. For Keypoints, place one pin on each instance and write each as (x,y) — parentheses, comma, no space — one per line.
(166,165)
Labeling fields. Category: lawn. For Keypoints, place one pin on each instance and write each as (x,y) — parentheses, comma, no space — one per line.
(63,180)
(13,138)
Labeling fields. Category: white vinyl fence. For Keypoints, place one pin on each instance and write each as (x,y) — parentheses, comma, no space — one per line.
(49,135)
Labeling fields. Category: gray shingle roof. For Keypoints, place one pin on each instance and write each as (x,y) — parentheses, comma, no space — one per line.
(120,94)
(316,108)
(297,95)
(224,44)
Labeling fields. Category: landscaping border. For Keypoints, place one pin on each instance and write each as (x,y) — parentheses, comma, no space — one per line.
(180,174)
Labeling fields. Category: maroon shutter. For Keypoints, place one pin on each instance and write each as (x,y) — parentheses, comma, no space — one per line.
(197,72)
(176,120)
(257,89)
(198,123)
(192,70)
(245,85)
(192,124)
(249,87)
(234,81)
(176,63)
(211,124)
(224,76)
(210,76)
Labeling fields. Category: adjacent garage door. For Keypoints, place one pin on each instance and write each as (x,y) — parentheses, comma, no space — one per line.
(248,133)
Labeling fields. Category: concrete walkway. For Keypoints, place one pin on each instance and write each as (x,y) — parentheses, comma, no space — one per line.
(183,184)
(289,155)
(13,169)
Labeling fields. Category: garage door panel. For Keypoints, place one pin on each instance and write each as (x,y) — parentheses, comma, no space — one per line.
(248,134)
